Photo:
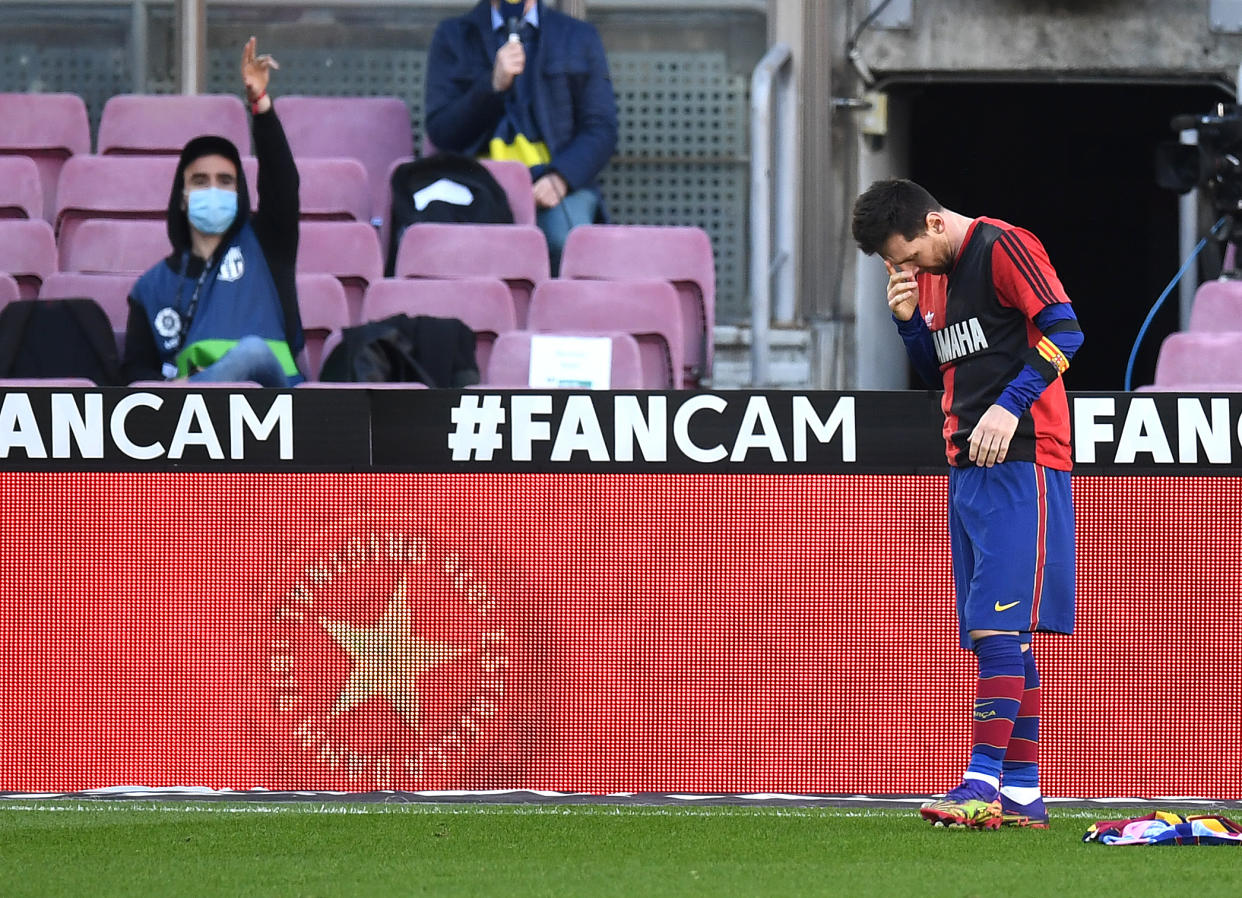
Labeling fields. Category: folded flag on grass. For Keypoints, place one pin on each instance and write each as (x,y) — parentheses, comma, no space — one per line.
(1166,828)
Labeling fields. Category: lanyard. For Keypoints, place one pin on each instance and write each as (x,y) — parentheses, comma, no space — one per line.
(188,315)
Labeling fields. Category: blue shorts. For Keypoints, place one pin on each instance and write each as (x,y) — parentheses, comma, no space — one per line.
(1011,528)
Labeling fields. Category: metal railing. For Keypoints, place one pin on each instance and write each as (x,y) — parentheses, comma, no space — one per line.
(773,162)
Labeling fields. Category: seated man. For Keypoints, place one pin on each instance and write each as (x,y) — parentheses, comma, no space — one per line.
(517,80)
(223,305)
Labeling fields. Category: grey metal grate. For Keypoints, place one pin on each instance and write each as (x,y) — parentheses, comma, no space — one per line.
(93,73)
(319,72)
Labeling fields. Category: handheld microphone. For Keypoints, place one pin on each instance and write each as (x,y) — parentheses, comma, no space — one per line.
(1185,122)
(514,24)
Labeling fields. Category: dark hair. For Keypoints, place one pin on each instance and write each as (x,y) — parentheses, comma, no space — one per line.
(894,206)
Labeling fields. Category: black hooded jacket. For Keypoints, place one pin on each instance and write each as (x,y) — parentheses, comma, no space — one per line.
(275,225)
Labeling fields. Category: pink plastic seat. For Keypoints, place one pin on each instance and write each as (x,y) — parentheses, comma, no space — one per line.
(509,365)
(333,190)
(122,187)
(17,383)
(646,309)
(483,304)
(325,311)
(49,128)
(1199,359)
(347,250)
(110,291)
(112,187)
(114,246)
(162,124)
(1217,307)
(680,255)
(27,253)
(517,254)
(514,177)
(9,291)
(21,195)
(373,130)
(195,385)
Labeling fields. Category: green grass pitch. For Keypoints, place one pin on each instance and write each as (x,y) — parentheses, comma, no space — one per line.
(84,848)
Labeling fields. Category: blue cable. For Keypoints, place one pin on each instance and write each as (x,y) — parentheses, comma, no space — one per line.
(1165,295)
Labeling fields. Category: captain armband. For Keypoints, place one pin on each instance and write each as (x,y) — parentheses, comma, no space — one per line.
(1057,345)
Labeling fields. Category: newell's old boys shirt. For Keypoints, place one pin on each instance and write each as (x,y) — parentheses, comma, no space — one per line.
(981,317)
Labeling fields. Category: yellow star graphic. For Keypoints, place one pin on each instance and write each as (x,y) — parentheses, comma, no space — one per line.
(388,659)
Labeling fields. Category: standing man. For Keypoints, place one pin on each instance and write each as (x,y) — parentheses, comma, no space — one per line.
(981,310)
(517,80)
(223,305)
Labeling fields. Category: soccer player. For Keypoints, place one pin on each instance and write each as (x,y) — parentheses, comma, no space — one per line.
(982,312)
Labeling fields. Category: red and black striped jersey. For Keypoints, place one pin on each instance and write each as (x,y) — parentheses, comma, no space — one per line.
(981,317)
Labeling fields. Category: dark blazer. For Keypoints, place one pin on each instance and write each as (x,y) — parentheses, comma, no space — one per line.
(574,105)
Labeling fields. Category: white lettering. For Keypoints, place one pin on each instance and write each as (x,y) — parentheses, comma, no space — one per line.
(525,429)
(630,426)
(194,411)
(579,432)
(1193,431)
(117,425)
(841,418)
(241,414)
(87,430)
(18,427)
(976,335)
(681,428)
(1087,431)
(1143,432)
(758,412)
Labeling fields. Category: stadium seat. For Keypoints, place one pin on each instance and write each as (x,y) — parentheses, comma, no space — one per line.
(112,187)
(680,255)
(1201,359)
(647,309)
(195,385)
(1217,307)
(122,187)
(333,190)
(9,291)
(17,383)
(483,304)
(324,310)
(514,177)
(373,130)
(114,246)
(21,195)
(517,254)
(162,124)
(111,291)
(49,128)
(509,365)
(27,253)
(348,250)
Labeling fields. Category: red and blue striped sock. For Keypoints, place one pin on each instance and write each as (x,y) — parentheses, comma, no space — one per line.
(1021,768)
(1001,681)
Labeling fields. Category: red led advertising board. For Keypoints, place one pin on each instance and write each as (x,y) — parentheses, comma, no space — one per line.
(584,631)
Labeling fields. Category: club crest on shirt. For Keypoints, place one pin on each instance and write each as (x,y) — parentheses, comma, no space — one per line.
(958,340)
(233,265)
(167,323)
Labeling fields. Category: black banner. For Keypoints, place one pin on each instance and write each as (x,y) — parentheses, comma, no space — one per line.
(761,432)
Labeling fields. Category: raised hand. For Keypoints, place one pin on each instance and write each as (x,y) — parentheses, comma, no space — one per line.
(255,72)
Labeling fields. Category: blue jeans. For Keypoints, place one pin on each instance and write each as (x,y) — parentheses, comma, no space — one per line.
(576,209)
(250,359)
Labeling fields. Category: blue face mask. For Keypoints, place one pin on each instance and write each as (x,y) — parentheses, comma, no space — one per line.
(211,209)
